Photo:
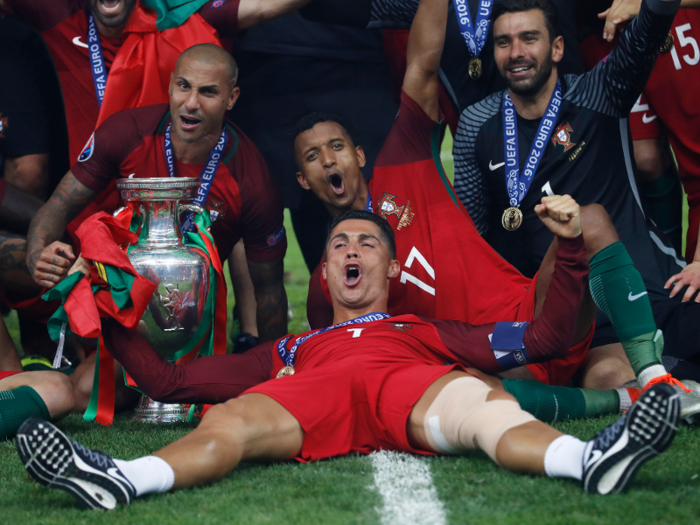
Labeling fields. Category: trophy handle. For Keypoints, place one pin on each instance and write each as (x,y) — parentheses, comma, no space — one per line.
(190,207)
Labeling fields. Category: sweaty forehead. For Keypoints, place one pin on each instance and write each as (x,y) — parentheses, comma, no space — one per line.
(202,71)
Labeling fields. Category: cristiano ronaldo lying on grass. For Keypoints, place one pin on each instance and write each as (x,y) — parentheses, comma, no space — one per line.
(368,382)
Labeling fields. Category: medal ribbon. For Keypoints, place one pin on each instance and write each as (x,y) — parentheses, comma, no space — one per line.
(207,175)
(517,184)
(287,356)
(97,61)
(474,37)
(368,204)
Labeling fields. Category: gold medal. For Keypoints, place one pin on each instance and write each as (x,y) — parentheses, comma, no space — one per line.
(512,218)
(286,371)
(667,45)
(475,68)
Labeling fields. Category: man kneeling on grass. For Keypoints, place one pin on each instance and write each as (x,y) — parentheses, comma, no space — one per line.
(368,382)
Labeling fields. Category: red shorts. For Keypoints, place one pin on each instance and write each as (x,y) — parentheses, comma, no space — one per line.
(354,404)
(556,372)
(3,375)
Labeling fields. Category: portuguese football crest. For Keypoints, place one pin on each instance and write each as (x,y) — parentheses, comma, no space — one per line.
(3,125)
(217,210)
(562,135)
(387,206)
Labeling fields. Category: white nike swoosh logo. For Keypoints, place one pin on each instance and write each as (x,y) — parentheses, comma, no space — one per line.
(493,167)
(114,472)
(78,43)
(646,119)
(595,456)
(631,297)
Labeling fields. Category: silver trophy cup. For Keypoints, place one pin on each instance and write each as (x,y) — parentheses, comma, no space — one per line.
(181,275)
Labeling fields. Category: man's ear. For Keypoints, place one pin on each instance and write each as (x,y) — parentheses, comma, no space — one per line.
(558,49)
(235,93)
(301,179)
(361,160)
(324,274)
(394,269)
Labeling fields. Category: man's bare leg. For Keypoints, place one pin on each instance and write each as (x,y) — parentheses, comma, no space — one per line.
(252,427)
(458,413)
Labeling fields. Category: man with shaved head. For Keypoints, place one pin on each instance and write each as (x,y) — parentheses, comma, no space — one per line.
(242,199)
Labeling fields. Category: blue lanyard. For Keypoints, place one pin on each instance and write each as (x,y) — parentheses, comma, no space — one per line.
(475,37)
(97,61)
(287,356)
(207,175)
(368,204)
(517,184)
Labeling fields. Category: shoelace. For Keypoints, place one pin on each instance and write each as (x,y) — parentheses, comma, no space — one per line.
(669,379)
(102,459)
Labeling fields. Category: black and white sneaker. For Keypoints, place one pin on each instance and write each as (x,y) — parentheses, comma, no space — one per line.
(614,456)
(56,461)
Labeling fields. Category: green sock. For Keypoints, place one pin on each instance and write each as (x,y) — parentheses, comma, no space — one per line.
(18,405)
(619,291)
(556,403)
(663,202)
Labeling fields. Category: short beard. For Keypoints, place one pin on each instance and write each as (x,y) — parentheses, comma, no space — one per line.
(112,22)
(538,81)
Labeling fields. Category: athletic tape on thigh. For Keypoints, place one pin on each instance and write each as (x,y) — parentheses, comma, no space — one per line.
(460,418)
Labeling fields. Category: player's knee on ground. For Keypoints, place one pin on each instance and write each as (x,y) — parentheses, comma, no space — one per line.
(55,389)
(468,415)
(598,229)
(605,368)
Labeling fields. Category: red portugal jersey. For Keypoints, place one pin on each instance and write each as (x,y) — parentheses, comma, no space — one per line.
(448,271)
(150,54)
(243,201)
(670,95)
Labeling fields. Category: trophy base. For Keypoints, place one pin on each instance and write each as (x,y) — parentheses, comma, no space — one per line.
(150,411)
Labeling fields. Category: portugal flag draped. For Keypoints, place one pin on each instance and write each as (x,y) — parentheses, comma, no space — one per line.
(114,289)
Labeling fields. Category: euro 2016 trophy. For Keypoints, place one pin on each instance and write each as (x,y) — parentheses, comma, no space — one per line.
(171,323)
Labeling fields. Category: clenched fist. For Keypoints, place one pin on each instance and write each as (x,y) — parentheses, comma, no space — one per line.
(561,214)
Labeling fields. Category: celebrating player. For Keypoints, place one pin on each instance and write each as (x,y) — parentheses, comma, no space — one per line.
(572,137)
(192,131)
(377,382)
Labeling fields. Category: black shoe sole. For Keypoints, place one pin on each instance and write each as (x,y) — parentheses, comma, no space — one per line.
(51,460)
(649,430)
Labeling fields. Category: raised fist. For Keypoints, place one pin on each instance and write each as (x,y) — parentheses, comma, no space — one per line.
(561,214)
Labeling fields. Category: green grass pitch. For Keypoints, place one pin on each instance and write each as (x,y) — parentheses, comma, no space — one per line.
(472,489)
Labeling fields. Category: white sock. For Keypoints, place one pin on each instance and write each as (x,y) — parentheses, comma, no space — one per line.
(625,399)
(650,373)
(564,458)
(147,474)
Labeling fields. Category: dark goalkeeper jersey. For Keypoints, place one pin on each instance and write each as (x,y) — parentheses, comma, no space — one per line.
(587,156)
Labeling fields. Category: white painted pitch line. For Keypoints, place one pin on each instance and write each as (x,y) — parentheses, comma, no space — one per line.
(407,489)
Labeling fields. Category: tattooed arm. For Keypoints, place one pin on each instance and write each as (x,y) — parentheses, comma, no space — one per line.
(48,259)
(271,298)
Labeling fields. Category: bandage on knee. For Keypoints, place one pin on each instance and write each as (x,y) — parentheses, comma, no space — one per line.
(460,418)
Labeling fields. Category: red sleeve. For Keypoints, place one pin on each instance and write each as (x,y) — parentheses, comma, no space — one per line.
(547,337)
(319,311)
(222,15)
(262,211)
(410,137)
(212,379)
(99,161)
(43,15)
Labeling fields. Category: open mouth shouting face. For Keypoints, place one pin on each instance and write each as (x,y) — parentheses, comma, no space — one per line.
(112,13)
(330,165)
(358,266)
